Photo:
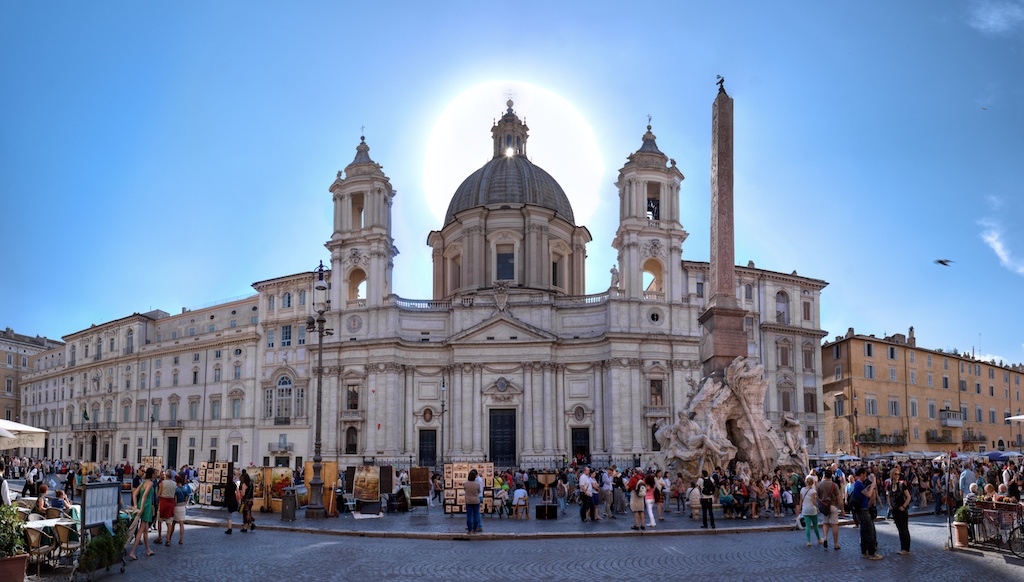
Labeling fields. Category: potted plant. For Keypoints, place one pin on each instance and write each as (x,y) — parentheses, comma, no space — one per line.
(105,549)
(13,558)
(960,521)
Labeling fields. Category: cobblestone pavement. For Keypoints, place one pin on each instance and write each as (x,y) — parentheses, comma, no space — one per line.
(209,554)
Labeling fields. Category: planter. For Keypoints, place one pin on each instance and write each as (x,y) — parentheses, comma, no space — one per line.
(961,534)
(13,568)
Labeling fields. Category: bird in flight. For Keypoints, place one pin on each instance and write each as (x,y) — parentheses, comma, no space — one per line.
(944,262)
(984,108)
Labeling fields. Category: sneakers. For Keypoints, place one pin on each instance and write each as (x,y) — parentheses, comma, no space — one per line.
(228,531)
(903,552)
(877,556)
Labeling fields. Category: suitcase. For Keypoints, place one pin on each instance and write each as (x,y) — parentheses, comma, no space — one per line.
(547,511)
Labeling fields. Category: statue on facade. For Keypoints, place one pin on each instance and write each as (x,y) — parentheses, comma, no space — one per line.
(615,277)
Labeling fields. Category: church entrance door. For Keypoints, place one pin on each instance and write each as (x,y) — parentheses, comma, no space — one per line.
(503,437)
(581,442)
(428,448)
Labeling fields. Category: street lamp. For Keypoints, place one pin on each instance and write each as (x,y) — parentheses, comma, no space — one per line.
(315,509)
(1019,445)
(856,437)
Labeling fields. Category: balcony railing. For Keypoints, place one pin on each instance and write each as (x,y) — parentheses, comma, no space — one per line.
(656,411)
(282,421)
(883,439)
(94,426)
(350,415)
(171,424)
(654,296)
(280,447)
(974,437)
(939,438)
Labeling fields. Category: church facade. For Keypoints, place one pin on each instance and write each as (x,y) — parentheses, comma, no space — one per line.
(509,361)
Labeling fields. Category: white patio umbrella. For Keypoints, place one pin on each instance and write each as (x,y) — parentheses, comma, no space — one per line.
(16,435)
(1019,418)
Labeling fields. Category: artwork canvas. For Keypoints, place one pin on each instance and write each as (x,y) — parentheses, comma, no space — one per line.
(280,477)
(256,476)
(367,484)
(218,495)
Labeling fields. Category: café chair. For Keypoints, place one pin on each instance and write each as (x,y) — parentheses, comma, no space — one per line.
(66,545)
(40,546)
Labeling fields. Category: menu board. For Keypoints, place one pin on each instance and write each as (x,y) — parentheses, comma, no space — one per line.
(456,475)
(100,503)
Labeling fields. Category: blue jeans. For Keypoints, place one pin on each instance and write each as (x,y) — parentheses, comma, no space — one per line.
(473,522)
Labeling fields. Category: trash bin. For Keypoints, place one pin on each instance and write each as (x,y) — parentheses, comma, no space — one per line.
(288,504)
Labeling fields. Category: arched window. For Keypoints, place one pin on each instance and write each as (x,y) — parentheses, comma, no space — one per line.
(284,397)
(286,300)
(351,440)
(653,279)
(356,285)
(782,308)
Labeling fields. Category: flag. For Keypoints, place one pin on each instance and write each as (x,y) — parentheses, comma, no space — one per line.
(85,415)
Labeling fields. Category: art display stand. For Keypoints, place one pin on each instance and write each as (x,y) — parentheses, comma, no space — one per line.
(455,475)
(419,487)
(213,480)
(276,478)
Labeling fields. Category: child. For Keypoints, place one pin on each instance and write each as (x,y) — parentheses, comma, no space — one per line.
(787,501)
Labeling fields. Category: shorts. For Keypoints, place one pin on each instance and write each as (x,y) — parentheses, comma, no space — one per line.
(832,517)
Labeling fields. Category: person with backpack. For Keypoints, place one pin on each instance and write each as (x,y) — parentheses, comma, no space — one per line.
(899,502)
(828,506)
(637,495)
(708,488)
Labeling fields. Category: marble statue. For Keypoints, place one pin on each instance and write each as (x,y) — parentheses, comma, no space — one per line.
(615,277)
(794,448)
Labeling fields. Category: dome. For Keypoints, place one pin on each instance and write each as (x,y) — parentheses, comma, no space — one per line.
(510,178)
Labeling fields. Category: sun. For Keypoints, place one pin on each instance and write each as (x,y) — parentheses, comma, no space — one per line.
(561,142)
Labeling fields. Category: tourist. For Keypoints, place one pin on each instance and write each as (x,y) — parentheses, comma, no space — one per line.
(828,505)
(69,483)
(587,487)
(619,498)
(860,498)
(678,491)
(809,509)
(60,500)
(230,500)
(520,497)
(899,503)
(41,504)
(708,489)
(757,497)
(637,496)
(182,493)
(246,494)
(649,496)
(142,499)
(30,482)
(606,493)
(561,492)
(664,486)
(165,507)
(725,497)
(473,494)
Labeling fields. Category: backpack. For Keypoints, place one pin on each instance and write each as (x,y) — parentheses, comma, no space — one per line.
(560,490)
(708,486)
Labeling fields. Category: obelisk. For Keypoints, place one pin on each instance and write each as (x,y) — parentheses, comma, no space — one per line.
(723,338)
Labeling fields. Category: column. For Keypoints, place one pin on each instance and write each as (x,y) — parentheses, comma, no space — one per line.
(635,408)
(599,412)
(455,404)
(527,408)
(477,413)
(558,410)
(408,425)
(547,410)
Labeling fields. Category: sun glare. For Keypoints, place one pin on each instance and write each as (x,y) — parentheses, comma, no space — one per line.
(560,141)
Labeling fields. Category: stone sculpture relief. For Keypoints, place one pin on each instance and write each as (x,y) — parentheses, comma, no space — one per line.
(723,423)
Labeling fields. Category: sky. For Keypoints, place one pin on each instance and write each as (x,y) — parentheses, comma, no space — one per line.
(162,155)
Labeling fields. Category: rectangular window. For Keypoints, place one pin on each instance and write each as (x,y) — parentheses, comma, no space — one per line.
(869,371)
(911,356)
(892,374)
(700,289)
(931,381)
(945,382)
(191,331)
(991,390)
(977,387)
(807,311)
(216,354)
(808,360)
(215,410)
(894,407)
(174,334)
(932,411)
(174,411)
(156,380)
(270,338)
(177,359)
(840,407)
(839,437)
(963,385)
(254,319)
(978,414)
(892,353)
(913,408)
(869,350)
(302,335)
(871,404)
(991,374)
(913,376)
(352,400)
(233,323)
(992,416)
(193,410)
(238,372)
(156,412)
(784,356)
(159,362)
(126,414)
(236,408)
(917,436)
(839,372)
(195,377)
(837,351)
(945,363)
(505,261)
(195,357)
(810,402)
(174,378)
(216,374)
(141,413)
(286,336)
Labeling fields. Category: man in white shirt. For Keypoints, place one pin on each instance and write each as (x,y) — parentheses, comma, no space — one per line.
(30,481)
(5,492)
(587,488)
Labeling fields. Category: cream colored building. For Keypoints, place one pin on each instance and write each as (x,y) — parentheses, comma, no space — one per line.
(898,397)
(17,352)
(509,361)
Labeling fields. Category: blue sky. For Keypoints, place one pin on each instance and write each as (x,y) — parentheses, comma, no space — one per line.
(168,155)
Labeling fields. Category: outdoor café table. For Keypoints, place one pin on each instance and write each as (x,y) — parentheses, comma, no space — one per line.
(46,525)
(30,502)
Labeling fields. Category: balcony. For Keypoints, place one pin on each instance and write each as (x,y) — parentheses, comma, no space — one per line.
(171,424)
(90,426)
(933,437)
(96,358)
(129,350)
(656,411)
(952,418)
(280,447)
(350,415)
(974,437)
(896,440)
(282,421)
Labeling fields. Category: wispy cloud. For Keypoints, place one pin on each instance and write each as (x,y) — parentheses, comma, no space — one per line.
(996,16)
(991,358)
(993,237)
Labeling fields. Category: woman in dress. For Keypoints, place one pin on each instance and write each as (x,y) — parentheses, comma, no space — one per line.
(809,509)
(142,499)
(473,494)
(246,495)
(42,504)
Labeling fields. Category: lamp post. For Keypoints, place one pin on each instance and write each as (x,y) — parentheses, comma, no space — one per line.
(856,437)
(1019,444)
(315,509)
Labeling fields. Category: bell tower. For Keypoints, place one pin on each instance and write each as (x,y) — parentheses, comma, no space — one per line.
(362,250)
(650,237)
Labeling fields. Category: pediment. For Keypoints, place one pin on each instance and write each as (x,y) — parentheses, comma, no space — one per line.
(502,329)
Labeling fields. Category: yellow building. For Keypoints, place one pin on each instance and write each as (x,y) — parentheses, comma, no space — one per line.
(888,395)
